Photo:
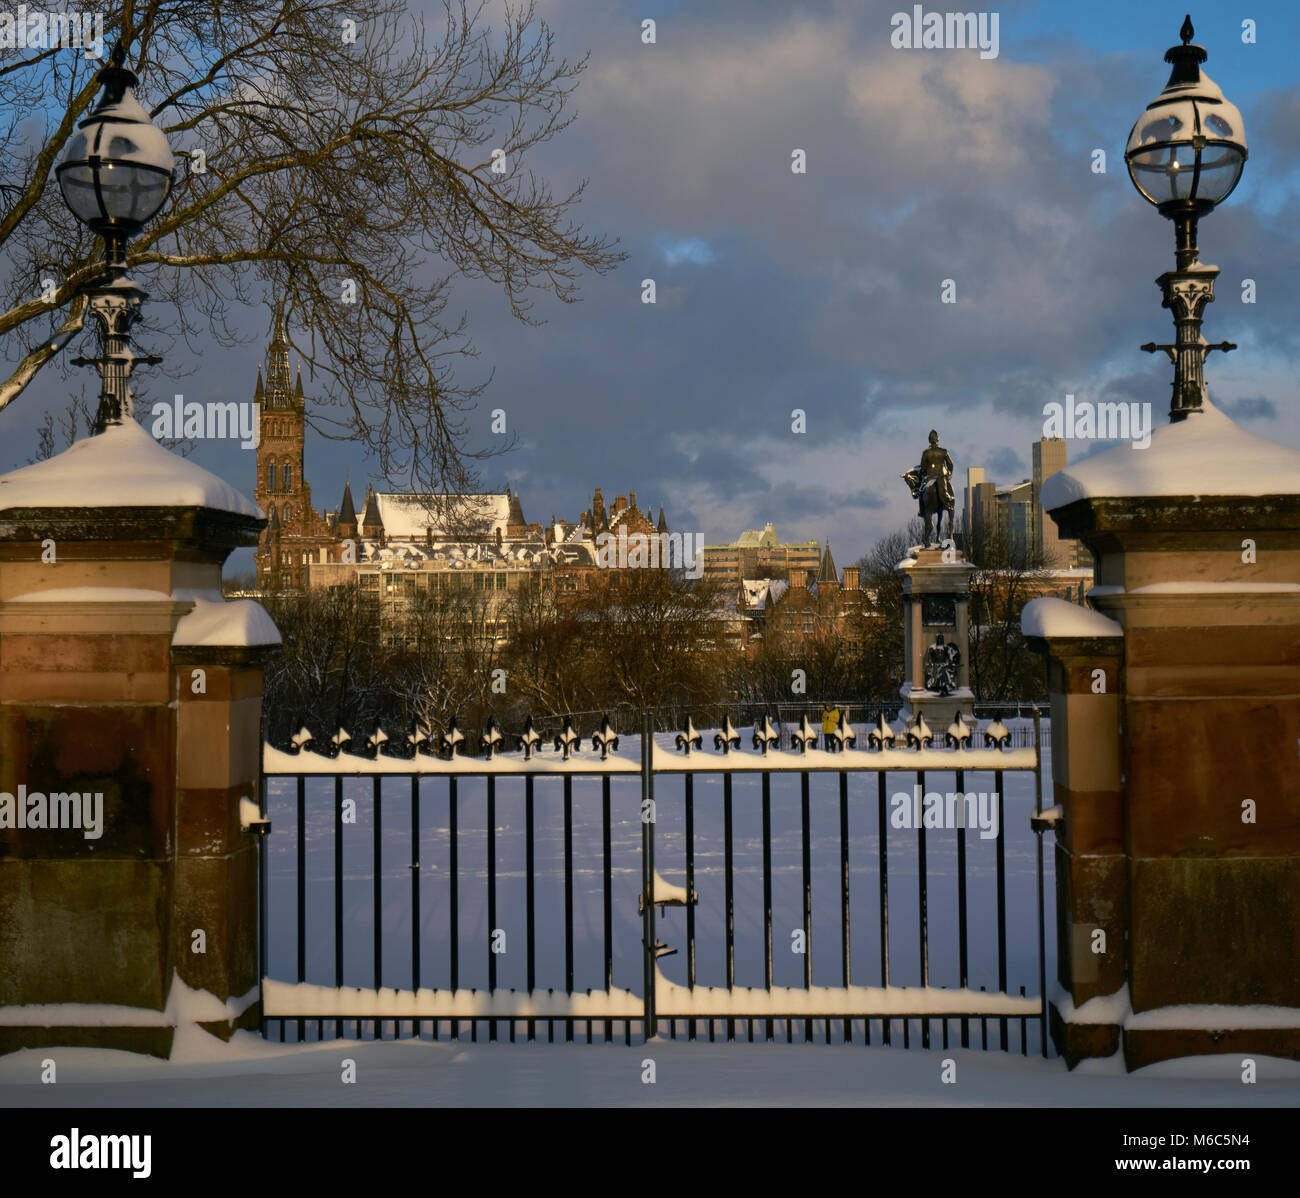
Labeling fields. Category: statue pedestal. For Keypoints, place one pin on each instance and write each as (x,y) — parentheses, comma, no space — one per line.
(936,598)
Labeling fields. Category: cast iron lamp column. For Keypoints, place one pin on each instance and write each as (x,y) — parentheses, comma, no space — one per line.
(1185,154)
(115,176)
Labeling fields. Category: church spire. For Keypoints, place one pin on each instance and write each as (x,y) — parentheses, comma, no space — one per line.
(277,370)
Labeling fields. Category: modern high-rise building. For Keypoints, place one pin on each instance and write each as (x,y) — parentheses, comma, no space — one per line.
(1015,514)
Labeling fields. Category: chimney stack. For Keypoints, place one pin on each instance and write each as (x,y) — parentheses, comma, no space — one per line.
(799,578)
(850,578)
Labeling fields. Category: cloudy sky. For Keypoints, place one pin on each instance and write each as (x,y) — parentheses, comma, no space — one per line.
(822,290)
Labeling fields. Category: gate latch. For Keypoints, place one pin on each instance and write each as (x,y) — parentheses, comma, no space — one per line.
(1046,821)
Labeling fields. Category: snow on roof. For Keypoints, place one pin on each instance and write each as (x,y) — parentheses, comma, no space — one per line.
(1055,617)
(1205,454)
(121,467)
(406,517)
(218,622)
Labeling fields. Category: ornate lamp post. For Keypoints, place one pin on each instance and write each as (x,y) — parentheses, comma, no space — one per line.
(115,176)
(1185,155)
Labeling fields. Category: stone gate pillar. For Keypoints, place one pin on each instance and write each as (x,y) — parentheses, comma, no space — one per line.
(130,718)
(1178,775)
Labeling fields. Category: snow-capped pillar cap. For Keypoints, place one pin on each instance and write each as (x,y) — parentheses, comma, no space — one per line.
(123,486)
(1054,619)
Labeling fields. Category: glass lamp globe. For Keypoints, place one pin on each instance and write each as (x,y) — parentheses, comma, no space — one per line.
(1187,150)
(117,170)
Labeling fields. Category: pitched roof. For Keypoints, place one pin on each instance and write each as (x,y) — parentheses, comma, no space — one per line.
(828,573)
(516,511)
(347,512)
(372,516)
(452,517)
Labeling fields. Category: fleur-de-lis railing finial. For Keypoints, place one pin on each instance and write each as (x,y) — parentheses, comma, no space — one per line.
(997,736)
(301,739)
(492,739)
(419,739)
(688,738)
(766,735)
(919,733)
(604,738)
(452,739)
(959,733)
(881,735)
(804,737)
(567,740)
(529,739)
(339,739)
(728,738)
(376,741)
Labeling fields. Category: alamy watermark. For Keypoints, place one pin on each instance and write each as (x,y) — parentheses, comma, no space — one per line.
(921,30)
(672,550)
(1088,421)
(57,811)
(26,29)
(953,809)
(208,421)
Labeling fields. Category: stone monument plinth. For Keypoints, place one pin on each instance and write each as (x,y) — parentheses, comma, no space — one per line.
(936,599)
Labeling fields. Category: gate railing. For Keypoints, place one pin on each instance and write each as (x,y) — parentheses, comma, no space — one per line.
(413,1007)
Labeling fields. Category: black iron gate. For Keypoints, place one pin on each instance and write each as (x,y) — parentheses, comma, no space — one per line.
(444,979)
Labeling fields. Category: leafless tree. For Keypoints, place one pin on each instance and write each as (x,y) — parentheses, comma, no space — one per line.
(312,166)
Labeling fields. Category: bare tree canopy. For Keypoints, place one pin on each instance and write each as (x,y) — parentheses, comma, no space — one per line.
(311,165)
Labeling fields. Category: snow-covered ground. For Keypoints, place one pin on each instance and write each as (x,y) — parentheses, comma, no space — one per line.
(251,1072)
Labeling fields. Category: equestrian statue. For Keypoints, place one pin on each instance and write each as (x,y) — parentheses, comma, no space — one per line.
(932,488)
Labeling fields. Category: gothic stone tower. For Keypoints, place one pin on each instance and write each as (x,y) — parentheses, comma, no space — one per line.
(282,490)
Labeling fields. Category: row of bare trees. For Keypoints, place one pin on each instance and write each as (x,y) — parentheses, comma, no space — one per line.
(640,638)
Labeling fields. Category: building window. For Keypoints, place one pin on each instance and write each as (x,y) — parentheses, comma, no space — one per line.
(270,476)
(288,478)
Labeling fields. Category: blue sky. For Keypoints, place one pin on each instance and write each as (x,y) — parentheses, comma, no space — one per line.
(821,291)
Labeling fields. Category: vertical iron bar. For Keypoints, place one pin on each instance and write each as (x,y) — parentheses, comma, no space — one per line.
(690,889)
(923,906)
(377,865)
(730,897)
(262,948)
(529,910)
(1002,903)
(647,871)
(453,870)
(886,1027)
(1042,947)
(806,834)
(767,888)
(962,952)
(609,908)
(844,893)
(568,897)
(302,889)
(338,892)
(492,892)
(415,887)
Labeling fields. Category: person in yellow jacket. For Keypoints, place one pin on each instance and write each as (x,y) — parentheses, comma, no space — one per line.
(830,723)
